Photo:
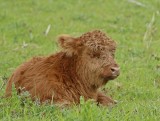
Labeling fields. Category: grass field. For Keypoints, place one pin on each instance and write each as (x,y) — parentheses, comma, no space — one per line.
(29,28)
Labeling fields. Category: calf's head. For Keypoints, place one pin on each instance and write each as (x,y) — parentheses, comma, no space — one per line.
(95,52)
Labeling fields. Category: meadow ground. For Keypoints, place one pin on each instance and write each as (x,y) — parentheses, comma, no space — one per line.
(29,28)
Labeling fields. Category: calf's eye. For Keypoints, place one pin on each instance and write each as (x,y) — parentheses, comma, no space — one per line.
(96,55)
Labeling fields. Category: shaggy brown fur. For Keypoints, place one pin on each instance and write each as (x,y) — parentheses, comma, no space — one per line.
(84,64)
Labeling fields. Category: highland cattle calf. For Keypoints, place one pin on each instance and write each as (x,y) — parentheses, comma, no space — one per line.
(84,65)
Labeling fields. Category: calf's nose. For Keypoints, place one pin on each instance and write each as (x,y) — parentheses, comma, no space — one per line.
(115,70)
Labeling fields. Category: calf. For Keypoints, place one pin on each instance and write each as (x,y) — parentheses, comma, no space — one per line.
(84,65)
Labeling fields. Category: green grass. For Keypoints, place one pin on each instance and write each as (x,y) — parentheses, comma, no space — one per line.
(136,29)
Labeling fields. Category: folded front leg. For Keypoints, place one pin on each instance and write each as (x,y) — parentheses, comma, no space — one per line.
(104,100)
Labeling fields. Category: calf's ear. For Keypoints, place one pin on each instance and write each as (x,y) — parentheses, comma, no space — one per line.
(70,44)
(65,40)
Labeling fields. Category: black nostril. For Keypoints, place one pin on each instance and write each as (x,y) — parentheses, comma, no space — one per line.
(115,69)
(112,69)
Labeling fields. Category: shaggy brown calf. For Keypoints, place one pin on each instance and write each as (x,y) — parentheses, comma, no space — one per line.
(85,64)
